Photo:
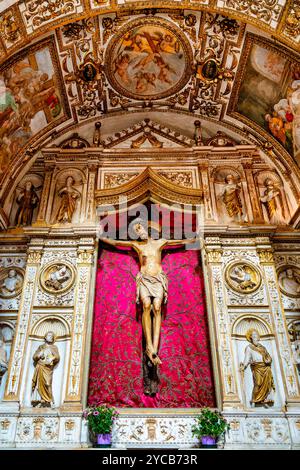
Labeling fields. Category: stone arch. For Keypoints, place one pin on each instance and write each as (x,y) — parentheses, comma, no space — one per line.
(244,323)
(59,326)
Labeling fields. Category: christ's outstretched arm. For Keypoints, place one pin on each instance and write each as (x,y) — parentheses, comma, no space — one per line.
(111,241)
(187,241)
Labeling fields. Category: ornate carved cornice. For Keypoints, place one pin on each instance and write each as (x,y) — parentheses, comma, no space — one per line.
(25,20)
(149,185)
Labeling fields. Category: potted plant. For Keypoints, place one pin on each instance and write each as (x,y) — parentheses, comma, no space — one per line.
(100,420)
(209,426)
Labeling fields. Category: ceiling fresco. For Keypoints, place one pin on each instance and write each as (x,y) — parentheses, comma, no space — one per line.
(148,59)
(93,61)
(267,91)
(31,97)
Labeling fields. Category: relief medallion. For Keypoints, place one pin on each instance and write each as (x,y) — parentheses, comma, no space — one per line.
(243,277)
(57,277)
(148,59)
(11,281)
(289,280)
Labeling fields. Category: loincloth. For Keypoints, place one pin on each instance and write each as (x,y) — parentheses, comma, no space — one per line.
(152,286)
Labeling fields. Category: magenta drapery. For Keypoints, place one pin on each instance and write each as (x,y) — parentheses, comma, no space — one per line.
(116,375)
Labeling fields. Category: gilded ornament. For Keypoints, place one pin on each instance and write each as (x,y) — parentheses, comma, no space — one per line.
(243,277)
(85,256)
(264,10)
(73,30)
(292,22)
(214,256)
(4,424)
(180,178)
(34,257)
(113,180)
(266,256)
(9,28)
(39,12)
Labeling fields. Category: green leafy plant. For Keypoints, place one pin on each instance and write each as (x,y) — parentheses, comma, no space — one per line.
(100,418)
(209,423)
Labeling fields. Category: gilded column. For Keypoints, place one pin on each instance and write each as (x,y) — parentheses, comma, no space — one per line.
(85,263)
(217,297)
(254,200)
(203,169)
(90,205)
(17,357)
(288,371)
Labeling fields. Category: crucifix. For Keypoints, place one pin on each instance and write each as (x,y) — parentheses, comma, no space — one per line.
(151,287)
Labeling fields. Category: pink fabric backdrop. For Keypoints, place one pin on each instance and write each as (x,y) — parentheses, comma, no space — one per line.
(116,375)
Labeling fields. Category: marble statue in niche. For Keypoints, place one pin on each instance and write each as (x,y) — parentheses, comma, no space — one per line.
(45,358)
(289,281)
(57,278)
(3,358)
(257,356)
(69,195)
(272,201)
(11,281)
(232,199)
(27,201)
(243,278)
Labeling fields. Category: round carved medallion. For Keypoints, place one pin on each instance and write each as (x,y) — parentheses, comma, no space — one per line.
(243,277)
(11,282)
(57,278)
(289,280)
(148,59)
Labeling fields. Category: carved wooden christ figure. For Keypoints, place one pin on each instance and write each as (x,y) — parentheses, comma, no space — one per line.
(257,356)
(45,359)
(151,284)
